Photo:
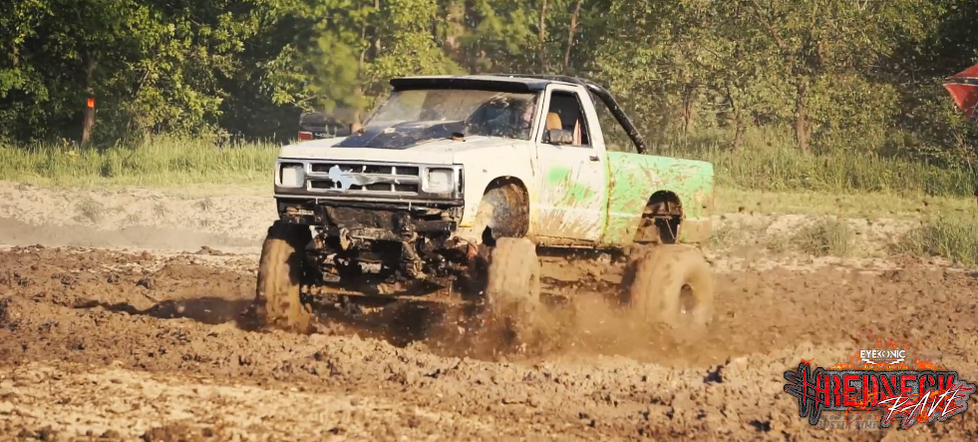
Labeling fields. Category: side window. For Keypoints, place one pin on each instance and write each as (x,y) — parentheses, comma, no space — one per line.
(615,137)
(567,113)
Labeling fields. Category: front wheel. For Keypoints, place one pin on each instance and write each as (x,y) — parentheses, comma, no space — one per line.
(280,275)
(513,288)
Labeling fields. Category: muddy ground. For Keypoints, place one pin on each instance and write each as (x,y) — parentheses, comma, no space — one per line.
(99,343)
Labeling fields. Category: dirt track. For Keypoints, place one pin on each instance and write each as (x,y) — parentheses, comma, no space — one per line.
(149,344)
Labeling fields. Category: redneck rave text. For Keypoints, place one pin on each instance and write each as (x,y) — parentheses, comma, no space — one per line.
(911,396)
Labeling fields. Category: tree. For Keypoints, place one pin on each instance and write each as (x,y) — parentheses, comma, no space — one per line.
(826,51)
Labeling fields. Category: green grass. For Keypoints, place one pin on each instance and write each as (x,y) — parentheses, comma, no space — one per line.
(953,238)
(870,205)
(824,237)
(763,178)
(820,236)
(770,175)
(769,161)
(759,180)
(724,237)
(164,162)
(781,169)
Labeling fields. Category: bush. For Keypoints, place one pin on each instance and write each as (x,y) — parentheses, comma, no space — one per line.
(952,238)
(825,236)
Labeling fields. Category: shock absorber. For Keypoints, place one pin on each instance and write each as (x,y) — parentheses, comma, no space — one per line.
(411,263)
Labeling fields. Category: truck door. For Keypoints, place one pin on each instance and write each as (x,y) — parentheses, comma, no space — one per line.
(572,201)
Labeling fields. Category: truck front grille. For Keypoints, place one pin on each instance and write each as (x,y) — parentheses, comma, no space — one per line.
(378,169)
(362,179)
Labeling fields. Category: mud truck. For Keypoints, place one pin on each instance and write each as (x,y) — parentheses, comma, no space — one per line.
(459,181)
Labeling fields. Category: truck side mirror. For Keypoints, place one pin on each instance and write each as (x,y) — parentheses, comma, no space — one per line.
(560,136)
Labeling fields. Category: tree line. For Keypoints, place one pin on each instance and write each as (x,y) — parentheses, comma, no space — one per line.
(861,75)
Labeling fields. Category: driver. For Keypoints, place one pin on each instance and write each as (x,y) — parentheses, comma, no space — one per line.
(526,119)
(512,118)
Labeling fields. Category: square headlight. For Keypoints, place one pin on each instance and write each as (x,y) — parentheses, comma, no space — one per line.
(439,181)
(292,175)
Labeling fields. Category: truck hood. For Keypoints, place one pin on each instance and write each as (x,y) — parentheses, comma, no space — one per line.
(444,151)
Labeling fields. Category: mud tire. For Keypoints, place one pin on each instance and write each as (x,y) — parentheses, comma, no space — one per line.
(506,207)
(513,289)
(661,281)
(280,275)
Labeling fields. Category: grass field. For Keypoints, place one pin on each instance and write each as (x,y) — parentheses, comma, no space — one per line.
(761,181)
(766,180)
(168,162)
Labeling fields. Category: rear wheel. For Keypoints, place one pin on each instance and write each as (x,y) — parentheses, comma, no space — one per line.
(281,271)
(670,285)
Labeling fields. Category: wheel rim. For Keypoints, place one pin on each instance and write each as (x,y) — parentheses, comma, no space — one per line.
(687,302)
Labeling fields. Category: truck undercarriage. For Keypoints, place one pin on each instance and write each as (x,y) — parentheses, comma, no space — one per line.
(385,242)
(379,253)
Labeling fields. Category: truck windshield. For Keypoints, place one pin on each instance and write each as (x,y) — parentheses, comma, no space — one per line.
(472,112)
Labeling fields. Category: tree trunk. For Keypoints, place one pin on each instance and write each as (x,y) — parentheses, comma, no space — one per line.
(454,27)
(689,99)
(377,45)
(741,125)
(802,129)
(88,120)
(543,37)
(355,125)
(88,113)
(571,30)
(358,113)
(363,52)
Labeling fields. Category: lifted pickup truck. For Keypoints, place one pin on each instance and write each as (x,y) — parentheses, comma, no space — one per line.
(462,178)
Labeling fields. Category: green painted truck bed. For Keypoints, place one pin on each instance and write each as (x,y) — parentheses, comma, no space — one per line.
(633,178)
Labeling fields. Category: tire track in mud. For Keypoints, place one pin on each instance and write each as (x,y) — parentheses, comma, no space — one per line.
(125,344)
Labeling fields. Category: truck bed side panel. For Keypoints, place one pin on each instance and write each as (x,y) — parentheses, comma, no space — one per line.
(634,178)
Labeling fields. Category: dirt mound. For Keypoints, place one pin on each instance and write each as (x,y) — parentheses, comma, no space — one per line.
(113,217)
(142,347)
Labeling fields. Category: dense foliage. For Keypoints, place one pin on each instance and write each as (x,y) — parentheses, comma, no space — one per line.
(821,75)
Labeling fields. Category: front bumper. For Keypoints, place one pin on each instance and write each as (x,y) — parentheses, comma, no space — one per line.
(371,220)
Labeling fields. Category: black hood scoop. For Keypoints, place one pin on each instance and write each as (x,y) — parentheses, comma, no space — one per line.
(402,135)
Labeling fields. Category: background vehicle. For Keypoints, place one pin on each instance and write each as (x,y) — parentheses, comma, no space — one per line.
(320,125)
(459,179)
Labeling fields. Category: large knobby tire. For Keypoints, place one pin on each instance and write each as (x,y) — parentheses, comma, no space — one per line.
(506,207)
(280,275)
(513,288)
(670,285)
(502,213)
